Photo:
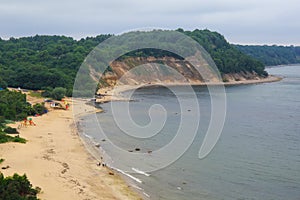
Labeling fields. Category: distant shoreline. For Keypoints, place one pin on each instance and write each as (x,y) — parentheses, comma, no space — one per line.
(269,79)
(113,93)
(282,65)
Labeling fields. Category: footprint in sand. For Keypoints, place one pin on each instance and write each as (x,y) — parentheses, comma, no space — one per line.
(66,167)
(51,151)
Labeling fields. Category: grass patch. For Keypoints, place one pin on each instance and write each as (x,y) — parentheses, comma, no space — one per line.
(7,138)
(9,121)
(35,94)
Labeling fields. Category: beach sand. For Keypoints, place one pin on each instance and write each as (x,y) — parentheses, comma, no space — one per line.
(55,159)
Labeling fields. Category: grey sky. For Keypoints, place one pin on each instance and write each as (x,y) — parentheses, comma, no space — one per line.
(245,22)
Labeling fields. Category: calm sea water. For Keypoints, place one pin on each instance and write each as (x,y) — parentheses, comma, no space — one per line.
(256,157)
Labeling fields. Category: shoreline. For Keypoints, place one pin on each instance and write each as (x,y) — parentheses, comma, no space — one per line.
(56,159)
(282,65)
(97,152)
(113,93)
(269,79)
(59,160)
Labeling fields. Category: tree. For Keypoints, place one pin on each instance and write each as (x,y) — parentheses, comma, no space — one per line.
(58,93)
(53,61)
(17,188)
(39,108)
(3,84)
(272,55)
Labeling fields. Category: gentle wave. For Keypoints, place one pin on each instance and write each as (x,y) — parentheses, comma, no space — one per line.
(87,136)
(128,175)
(140,172)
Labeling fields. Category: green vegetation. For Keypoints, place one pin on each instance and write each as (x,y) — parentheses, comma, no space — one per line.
(39,108)
(227,58)
(35,94)
(13,106)
(6,138)
(17,188)
(43,62)
(10,130)
(272,55)
(1,160)
(3,84)
(57,93)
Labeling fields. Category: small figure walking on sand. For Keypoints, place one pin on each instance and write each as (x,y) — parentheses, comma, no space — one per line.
(23,123)
(31,123)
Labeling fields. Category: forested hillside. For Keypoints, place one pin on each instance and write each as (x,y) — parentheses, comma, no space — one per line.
(52,61)
(43,61)
(227,58)
(272,55)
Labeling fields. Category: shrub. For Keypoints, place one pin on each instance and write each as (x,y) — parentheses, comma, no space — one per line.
(10,130)
(69,92)
(225,80)
(17,188)
(18,139)
(6,138)
(2,121)
(47,92)
(58,93)
(39,108)
(13,105)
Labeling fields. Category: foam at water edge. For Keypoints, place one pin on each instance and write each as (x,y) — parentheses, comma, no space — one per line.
(126,174)
(140,172)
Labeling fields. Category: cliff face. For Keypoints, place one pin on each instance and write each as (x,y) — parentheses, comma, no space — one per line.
(138,70)
(151,70)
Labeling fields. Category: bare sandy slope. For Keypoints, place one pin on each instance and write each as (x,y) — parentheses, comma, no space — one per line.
(55,160)
(113,93)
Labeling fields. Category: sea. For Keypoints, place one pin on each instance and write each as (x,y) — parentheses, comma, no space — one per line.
(257,155)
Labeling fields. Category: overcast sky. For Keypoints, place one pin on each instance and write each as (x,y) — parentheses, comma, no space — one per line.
(244,22)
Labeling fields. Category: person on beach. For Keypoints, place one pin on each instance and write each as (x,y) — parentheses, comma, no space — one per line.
(24,123)
(67,106)
(31,123)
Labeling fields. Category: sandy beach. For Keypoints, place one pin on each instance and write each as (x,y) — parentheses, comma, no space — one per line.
(55,159)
